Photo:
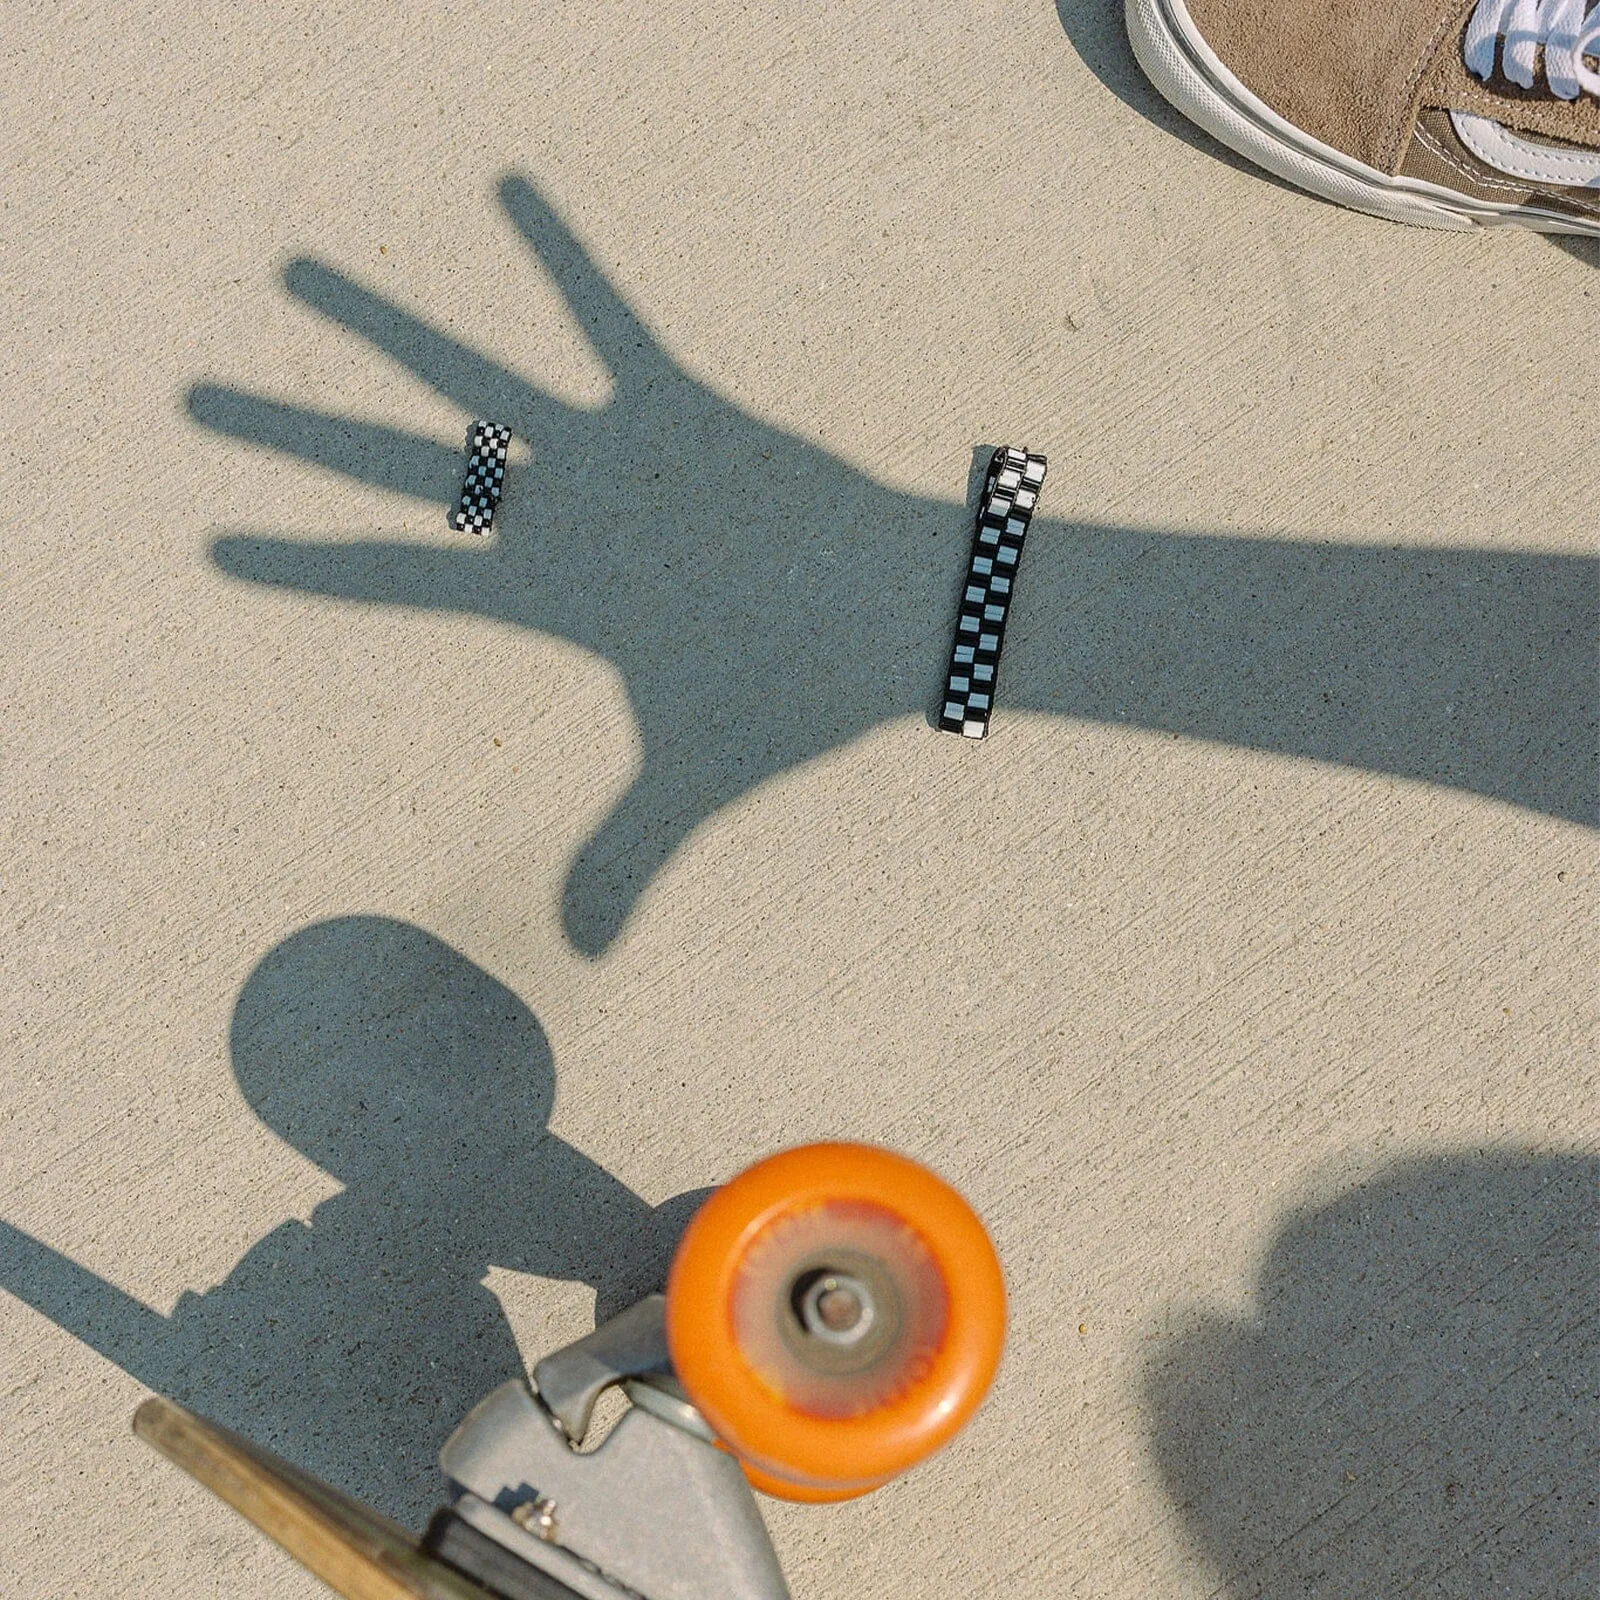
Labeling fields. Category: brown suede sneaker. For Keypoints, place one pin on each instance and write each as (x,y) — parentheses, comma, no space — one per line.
(1427,111)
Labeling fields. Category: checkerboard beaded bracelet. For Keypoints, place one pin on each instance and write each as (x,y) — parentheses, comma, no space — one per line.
(1009,496)
(488,444)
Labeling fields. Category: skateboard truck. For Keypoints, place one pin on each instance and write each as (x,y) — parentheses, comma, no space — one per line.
(833,1315)
(657,1510)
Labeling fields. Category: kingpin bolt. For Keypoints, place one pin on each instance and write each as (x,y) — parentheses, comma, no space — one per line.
(538,1517)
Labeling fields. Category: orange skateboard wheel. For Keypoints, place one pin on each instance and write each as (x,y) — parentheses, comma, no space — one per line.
(812,1494)
(836,1313)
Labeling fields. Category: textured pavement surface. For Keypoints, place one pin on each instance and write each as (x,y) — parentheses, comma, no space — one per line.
(1244,978)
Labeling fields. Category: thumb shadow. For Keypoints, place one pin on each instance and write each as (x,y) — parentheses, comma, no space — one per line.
(1415,1407)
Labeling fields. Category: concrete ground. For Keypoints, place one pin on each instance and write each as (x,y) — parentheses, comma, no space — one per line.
(1244,978)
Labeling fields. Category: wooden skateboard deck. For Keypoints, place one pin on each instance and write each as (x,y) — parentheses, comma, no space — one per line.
(357,1552)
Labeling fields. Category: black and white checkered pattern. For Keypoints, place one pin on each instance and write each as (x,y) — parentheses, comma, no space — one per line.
(489,444)
(1009,497)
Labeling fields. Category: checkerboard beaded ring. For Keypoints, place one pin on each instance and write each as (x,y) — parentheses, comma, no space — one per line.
(1010,494)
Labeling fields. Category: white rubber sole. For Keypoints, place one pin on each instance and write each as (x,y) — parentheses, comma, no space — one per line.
(1183,67)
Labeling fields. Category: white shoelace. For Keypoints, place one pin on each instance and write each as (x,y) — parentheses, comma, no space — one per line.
(1556,27)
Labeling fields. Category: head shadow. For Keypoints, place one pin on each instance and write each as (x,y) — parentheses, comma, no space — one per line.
(425,1086)
(389,1059)
(352,1344)
(1415,1405)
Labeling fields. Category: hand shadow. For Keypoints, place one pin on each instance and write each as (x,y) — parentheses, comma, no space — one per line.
(765,602)
(354,1345)
(1415,1407)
